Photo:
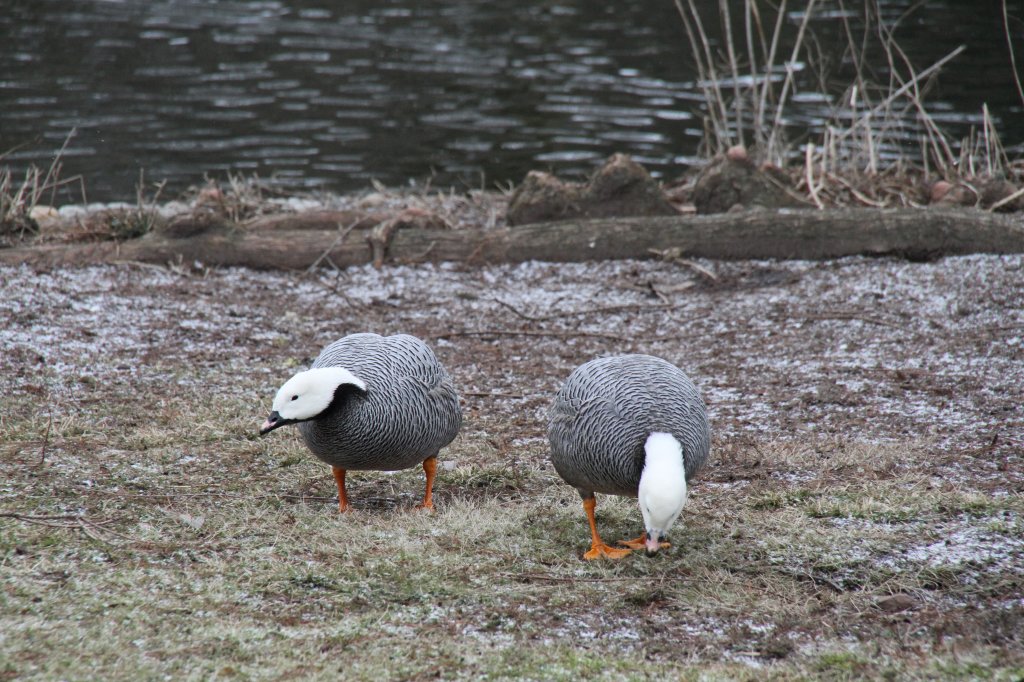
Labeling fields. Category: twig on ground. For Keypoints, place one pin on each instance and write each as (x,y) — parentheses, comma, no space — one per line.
(91,528)
(518,312)
(844,315)
(674,255)
(512,332)
(631,307)
(46,440)
(698,268)
(663,291)
(815,578)
(92,531)
(53,520)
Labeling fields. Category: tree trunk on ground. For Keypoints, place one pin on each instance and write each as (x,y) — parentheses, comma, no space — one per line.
(784,234)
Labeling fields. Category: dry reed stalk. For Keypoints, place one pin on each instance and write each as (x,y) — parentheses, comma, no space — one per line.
(874,119)
(734,67)
(1013,57)
(775,140)
(809,176)
(706,73)
(766,84)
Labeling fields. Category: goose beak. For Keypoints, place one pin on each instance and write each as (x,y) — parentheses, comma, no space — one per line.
(651,546)
(653,542)
(273,421)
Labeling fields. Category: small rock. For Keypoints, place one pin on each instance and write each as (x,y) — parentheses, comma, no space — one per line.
(112,206)
(949,194)
(43,213)
(896,603)
(173,209)
(300,204)
(45,216)
(373,199)
(737,153)
(940,188)
(73,211)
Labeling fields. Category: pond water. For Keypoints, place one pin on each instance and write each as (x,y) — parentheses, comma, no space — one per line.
(325,95)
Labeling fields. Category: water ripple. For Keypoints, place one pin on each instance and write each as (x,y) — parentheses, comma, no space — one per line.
(329,95)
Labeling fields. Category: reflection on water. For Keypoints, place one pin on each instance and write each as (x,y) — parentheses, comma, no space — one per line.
(321,95)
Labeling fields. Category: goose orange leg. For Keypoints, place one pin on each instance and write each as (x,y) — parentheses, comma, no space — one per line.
(597,547)
(339,478)
(430,469)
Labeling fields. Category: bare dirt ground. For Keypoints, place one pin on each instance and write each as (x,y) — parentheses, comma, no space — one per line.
(862,514)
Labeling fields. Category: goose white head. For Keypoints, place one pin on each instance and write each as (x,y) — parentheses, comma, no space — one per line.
(662,491)
(307,394)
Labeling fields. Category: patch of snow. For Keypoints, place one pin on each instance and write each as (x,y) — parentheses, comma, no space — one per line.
(973,546)
(967,544)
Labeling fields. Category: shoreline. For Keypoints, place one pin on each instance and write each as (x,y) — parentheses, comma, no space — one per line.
(732,209)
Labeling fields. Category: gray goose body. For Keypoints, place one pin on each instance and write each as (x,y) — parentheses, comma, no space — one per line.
(410,409)
(605,411)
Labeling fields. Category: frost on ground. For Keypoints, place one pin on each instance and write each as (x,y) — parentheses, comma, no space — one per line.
(860,349)
(825,382)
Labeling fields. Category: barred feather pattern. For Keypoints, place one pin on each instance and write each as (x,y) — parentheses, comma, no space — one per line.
(409,412)
(603,414)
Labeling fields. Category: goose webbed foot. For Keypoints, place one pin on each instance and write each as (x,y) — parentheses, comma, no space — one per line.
(641,543)
(599,549)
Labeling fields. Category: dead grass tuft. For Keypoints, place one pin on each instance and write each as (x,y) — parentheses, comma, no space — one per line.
(19,198)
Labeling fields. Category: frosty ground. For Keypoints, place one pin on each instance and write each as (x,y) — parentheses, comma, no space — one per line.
(861,516)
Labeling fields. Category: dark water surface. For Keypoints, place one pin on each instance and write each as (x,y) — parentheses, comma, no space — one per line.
(327,95)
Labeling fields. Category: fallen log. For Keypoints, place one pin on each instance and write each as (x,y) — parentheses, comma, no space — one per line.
(918,234)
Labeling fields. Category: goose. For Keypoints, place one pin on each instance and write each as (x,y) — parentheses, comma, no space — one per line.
(371,402)
(629,425)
